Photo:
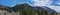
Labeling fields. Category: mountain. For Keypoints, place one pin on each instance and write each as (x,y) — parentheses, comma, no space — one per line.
(21,7)
(5,8)
(49,9)
(27,9)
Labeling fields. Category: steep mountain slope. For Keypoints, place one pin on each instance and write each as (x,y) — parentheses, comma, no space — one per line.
(21,7)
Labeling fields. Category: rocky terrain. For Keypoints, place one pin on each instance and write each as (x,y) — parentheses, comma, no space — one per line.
(26,9)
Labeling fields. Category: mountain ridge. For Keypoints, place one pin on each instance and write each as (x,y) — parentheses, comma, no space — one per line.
(26,8)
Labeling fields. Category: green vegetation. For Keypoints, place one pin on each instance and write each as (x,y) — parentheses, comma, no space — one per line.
(26,9)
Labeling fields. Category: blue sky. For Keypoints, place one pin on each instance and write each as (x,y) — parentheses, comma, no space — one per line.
(13,2)
(7,2)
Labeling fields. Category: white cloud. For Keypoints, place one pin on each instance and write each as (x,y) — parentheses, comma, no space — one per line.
(42,2)
(58,3)
(39,3)
(48,2)
(56,8)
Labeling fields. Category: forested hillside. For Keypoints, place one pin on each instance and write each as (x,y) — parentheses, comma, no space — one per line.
(26,9)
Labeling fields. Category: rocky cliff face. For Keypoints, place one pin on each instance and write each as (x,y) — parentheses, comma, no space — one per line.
(26,9)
